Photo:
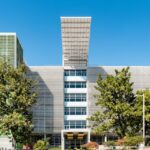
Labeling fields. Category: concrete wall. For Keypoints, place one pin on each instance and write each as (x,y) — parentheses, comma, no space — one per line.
(140,75)
(51,93)
(48,113)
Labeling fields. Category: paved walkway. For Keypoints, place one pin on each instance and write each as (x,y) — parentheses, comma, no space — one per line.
(146,148)
(101,147)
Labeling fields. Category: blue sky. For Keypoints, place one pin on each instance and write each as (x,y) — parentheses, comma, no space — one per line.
(120,29)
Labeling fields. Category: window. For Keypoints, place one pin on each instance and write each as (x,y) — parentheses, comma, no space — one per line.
(72,84)
(78,97)
(84,73)
(83,97)
(72,124)
(67,85)
(78,72)
(67,124)
(83,84)
(78,85)
(72,110)
(79,124)
(78,111)
(75,85)
(72,73)
(75,124)
(75,73)
(66,111)
(74,97)
(75,110)
(67,97)
(83,111)
(66,73)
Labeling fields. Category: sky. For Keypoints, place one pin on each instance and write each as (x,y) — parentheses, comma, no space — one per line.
(120,29)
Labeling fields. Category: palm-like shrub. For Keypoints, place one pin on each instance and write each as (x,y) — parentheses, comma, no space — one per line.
(40,145)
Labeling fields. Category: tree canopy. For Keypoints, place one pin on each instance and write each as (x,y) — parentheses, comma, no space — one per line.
(117,100)
(138,109)
(17,95)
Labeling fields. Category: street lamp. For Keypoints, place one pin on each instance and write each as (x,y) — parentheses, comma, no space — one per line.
(143,96)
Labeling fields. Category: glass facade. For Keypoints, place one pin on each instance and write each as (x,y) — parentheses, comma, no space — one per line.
(10,49)
(7,47)
(79,98)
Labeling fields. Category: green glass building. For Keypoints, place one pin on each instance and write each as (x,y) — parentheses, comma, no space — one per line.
(10,49)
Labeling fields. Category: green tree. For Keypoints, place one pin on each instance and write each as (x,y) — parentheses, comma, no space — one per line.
(116,100)
(17,95)
(138,109)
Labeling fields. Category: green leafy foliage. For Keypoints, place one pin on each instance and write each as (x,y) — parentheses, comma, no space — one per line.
(133,141)
(40,145)
(116,100)
(126,141)
(17,95)
(110,143)
(138,109)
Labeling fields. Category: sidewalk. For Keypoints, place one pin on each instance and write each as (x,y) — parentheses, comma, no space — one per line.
(102,147)
(146,148)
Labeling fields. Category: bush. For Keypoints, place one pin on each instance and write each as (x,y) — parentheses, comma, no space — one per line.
(110,143)
(40,145)
(133,141)
(90,145)
(120,142)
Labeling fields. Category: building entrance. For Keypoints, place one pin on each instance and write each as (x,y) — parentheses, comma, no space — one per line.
(74,138)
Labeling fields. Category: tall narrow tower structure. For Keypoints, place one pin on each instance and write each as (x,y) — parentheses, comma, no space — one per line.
(75,40)
(75,44)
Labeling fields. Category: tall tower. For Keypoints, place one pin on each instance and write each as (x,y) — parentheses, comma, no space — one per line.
(75,41)
(75,44)
(10,49)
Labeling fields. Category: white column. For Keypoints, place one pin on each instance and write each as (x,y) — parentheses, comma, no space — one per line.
(88,138)
(105,138)
(62,141)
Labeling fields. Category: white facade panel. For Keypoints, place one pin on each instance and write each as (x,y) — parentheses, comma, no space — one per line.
(75,78)
(75,90)
(75,117)
(75,104)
